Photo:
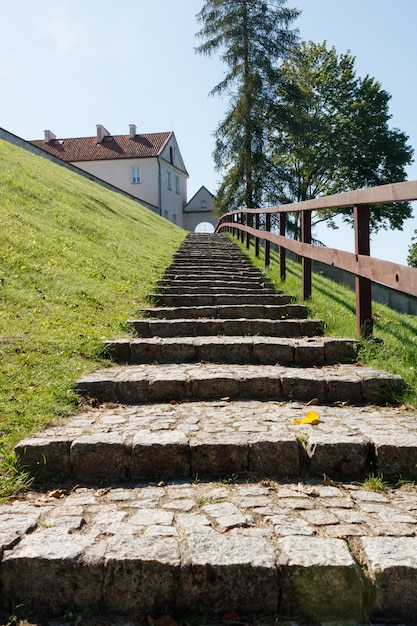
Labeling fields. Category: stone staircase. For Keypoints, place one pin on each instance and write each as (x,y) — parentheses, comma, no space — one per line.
(196,487)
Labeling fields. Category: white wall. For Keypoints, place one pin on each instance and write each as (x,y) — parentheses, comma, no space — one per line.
(118,173)
(153,186)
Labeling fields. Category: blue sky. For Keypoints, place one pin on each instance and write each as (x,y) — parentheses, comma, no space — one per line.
(67,65)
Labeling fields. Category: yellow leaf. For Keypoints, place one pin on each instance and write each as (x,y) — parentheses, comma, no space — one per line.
(311,418)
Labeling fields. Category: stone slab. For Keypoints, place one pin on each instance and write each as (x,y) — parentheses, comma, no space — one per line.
(46,571)
(46,454)
(391,566)
(223,570)
(320,579)
(100,457)
(141,574)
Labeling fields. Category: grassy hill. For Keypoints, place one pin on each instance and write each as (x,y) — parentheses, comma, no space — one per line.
(76,261)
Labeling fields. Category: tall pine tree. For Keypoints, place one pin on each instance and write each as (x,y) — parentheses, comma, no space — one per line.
(251,37)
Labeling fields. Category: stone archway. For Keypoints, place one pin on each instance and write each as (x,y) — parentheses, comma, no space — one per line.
(204,227)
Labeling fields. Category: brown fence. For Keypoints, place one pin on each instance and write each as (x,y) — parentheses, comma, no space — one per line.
(246,223)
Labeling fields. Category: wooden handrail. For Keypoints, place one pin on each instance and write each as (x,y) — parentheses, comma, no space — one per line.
(365,268)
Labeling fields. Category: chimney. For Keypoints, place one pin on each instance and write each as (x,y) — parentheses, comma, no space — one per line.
(49,136)
(101,133)
(132,130)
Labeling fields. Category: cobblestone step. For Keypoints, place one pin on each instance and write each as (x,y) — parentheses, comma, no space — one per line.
(241,290)
(255,350)
(237,327)
(248,311)
(185,440)
(198,273)
(216,299)
(325,552)
(204,381)
(186,283)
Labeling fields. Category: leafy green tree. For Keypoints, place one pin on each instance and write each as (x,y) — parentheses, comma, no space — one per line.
(330,134)
(251,37)
(412,252)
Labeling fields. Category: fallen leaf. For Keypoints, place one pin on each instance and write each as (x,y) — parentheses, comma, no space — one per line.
(328,482)
(225,399)
(58,493)
(311,418)
(313,402)
(174,402)
(231,617)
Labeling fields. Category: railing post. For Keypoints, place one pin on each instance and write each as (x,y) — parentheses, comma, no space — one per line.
(257,224)
(306,263)
(242,221)
(282,250)
(363,286)
(267,242)
(249,222)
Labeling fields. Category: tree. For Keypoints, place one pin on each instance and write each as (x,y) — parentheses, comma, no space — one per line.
(330,134)
(412,253)
(252,35)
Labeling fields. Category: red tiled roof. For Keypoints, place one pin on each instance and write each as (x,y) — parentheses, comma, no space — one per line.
(112,147)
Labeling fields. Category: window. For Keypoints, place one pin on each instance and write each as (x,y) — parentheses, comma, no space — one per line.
(177,184)
(166,215)
(174,219)
(135,174)
(169,180)
(203,204)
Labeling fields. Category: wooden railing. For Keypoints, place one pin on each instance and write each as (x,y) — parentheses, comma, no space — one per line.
(246,222)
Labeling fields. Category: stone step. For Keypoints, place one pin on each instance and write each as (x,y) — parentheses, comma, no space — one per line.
(254,350)
(194,274)
(237,327)
(213,439)
(185,283)
(261,548)
(248,311)
(216,299)
(206,254)
(205,381)
(212,266)
(240,290)
(211,256)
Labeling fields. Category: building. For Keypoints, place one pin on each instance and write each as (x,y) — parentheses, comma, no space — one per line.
(198,212)
(147,166)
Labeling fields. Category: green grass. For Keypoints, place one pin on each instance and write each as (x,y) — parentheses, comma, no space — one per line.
(375,482)
(396,352)
(76,261)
